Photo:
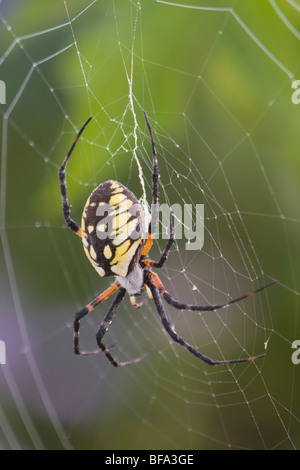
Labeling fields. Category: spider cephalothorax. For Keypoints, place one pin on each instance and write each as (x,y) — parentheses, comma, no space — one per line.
(114,239)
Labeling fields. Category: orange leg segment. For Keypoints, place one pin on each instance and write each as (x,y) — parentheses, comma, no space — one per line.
(148,244)
(87,309)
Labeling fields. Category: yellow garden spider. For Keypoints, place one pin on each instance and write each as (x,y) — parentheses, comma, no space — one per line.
(118,246)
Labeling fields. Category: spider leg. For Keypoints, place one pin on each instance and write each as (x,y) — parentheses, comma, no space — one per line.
(164,256)
(155,174)
(178,339)
(83,312)
(103,328)
(63,186)
(198,308)
(155,179)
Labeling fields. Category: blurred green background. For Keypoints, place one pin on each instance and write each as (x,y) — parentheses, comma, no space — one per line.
(216,83)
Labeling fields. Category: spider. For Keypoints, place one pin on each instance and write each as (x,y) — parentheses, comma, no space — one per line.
(125,257)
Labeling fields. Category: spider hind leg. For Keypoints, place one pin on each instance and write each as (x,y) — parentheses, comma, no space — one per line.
(156,293)
(103,327)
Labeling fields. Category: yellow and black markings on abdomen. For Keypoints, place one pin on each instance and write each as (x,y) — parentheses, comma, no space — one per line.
(113,229)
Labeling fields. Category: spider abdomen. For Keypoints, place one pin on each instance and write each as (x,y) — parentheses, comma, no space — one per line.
(113,229)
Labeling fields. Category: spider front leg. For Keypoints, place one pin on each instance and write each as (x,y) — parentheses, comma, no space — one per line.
(63,186)
(155,200)
(164,256)
(155,180)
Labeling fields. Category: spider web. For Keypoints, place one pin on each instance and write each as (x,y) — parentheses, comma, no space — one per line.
(216,83)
